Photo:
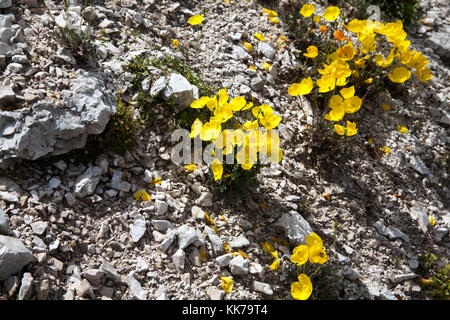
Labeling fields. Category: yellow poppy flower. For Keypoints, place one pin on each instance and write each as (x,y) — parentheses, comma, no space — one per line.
(386,150)
(223,113)
(311,52)
(252,67)
(352,104)
(175,42)
(301,289)
(331,13)
(259,36)
(382,62)
(326,83)
(210,130)
(350,130)
(195,20)
(346,52)
(222,97)
(238,103)
(399,75)
(300,255)
(141,194)
(347,93)
(200,103)
(248,46)
(316,252)
(227,284)
(274,19)
(423,74)
(227,247)
(432,222)
(368,42)
(275,264)
(247,106)
(156,181)
(270,121)
(191,167)
(271,13)
(307,10)
(340,130)
(335,101)
(268,247)
(217,169)
(356,26)
(360,63)
(282,39)
(266,66)
(250,125)
(196,128)
(302,88)
(261,111)
(402,129)
(336,114)
(418,61)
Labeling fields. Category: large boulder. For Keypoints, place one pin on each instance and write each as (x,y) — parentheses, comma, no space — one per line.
(5,4)
(45,129)
(295,227)
(5,228)
(13,256)
(440,43)
(179,90)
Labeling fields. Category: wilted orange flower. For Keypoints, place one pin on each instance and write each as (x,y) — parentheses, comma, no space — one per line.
(339,35)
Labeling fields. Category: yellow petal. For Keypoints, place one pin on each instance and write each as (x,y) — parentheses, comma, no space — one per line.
(156,180)
(194,20)
(399,75)
(402,129)
(347,93)
(267,247)
(340,130)
(259,36)
(300,255)
(275,264)
(432,222)
(331,13)
(385,107)
(217,169)
(266,66)
(307,10)
(247,46)
(227,284)
(203,255)
(141,194)
(191,167)
(301,289)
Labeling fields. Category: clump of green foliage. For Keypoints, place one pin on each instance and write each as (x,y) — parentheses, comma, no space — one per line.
(119,134)
(326,147)
(143,68)
(405,10)
(435,276)
(169,64)
(77,41)
(239,179)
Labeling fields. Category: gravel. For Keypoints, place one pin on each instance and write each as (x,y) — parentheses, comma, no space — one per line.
(71,229)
